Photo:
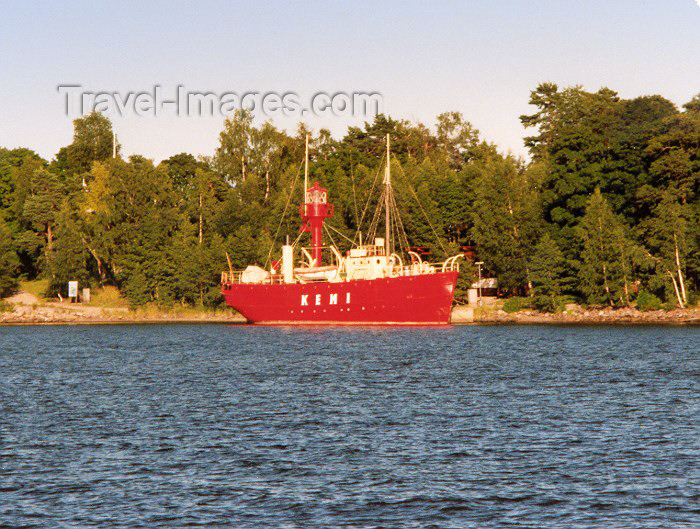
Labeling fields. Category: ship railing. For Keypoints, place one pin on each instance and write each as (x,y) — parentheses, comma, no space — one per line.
(410,270)
(451,264)
(424,268)
(237,277)
(329,256)
(397,270)
(231,277)
(372,250)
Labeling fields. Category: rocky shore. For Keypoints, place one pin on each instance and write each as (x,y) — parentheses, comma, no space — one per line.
(24,309)
(51,315)
(592,316)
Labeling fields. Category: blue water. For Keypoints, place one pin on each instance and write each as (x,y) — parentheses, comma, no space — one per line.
(169,426)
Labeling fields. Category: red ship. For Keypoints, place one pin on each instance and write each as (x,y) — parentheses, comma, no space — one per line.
(368,285)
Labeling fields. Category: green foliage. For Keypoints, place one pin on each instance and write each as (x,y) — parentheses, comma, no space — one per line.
(8,261)
(467,272)
(547,273)
(516,304)
(547,268)
(182,169)
(693,298)
(608,257)
(505,218)
(93,140)
(614,186)
(70,259)
(550,304)
(10,162)
(669,304)
(668,234)
(36,287)
(644,156)
(545,303)
(647,301)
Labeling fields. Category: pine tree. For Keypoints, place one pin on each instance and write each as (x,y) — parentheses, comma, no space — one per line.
(668,238)
(43,203)
(70,258)
(606,259)
(8,261)
(505,219)
(547,267)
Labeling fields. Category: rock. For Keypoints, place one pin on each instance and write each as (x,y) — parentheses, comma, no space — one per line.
(462,314)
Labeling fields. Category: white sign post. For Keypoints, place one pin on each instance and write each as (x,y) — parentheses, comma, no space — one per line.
(72,289)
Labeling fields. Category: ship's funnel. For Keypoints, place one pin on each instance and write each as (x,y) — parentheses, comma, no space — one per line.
(288,263)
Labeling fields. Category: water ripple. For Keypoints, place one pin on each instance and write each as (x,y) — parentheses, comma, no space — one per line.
(214,426)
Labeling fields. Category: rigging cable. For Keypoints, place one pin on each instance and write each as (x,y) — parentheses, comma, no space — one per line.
(415,195)
(289,199)
(330,236)
(369,196)
(354,196)
(372,232)
(339,232)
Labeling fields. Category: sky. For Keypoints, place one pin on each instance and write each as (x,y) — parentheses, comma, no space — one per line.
(480,58)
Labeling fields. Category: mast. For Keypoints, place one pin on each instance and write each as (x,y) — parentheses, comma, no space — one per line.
(387,205)
(306,171)
(314,211)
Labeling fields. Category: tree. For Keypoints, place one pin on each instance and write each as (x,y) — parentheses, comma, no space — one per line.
(197,268)
(93,140)
(235,147)
(576,132)
(675,156)
(10,162)
(546,271)
(8,260)
(693,106)
(181,169)
(668,238)
(457,138)
(130,216)
(34,200)
(43,204)
(607,256)
(70,257)
(635,151)
(505,219)
(627,168)
(671,203)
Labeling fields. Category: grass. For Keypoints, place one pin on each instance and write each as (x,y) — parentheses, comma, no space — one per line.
(153,311)
(37,287)
(485,310)
(107,297)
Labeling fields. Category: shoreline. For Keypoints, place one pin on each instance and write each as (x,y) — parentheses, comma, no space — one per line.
(123,322)
(581,316)
(27,310)
(68,314)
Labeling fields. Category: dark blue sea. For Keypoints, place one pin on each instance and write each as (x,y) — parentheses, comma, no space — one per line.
(173,426)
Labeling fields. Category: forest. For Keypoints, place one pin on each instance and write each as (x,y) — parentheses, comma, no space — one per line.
(605,212)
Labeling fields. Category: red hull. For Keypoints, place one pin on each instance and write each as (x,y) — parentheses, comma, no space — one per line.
(412,300)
